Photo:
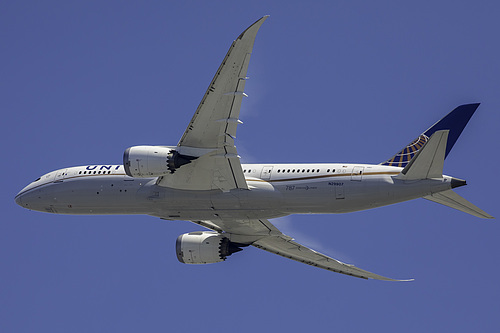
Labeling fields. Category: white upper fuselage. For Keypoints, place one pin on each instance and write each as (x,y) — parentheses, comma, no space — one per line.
(273,190)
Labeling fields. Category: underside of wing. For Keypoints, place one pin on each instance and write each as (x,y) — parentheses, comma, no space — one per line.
(209,172)
(264,235)
(284,246)
(208,141)
(219,109)
(241,230)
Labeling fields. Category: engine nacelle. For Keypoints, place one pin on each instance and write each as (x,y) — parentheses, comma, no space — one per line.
(204,247)
(152,161)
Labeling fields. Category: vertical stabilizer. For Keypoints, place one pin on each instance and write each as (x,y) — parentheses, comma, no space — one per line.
(455,122)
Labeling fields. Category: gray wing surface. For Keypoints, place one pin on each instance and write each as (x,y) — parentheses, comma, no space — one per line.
(285,246)
(264,235)
(211,132)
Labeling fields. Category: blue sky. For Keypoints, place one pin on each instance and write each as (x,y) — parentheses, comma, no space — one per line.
(332,81)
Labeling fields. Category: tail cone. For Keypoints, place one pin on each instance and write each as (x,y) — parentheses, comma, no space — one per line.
(455,182)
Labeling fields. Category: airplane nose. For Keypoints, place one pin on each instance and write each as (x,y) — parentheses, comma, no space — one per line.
(19,200)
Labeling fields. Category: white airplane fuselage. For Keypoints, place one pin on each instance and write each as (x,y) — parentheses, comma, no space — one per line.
(274,190)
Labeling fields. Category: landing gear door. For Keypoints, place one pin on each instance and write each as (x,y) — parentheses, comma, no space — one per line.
(266,173)
(339,191)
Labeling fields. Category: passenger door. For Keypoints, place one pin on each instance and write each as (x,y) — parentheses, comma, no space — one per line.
(357,173)
(60,175)
(266,173)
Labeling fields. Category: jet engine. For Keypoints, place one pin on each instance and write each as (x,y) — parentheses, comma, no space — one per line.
(204,247)
(153,161)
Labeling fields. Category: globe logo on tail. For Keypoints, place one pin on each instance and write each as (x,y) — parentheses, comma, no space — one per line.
(402,158)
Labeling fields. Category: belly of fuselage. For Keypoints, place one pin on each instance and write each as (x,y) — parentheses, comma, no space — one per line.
(125,195)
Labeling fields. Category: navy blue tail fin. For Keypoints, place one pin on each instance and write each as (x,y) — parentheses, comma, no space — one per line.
(454,121)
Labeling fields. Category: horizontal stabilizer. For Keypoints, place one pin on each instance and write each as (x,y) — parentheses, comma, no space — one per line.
(453,200)
(429,161)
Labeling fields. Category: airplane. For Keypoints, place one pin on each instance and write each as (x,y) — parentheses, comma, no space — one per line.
(202,180)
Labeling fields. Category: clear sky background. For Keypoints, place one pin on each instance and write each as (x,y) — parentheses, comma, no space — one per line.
(331,81)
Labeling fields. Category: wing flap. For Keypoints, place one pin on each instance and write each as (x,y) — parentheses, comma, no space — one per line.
(220,169)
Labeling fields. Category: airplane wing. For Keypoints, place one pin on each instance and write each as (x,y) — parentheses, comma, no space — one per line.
(285,246)
(264,235)
(249,230)
(208,141)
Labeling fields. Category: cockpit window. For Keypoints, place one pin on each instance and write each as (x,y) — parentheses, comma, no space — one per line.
(37,179)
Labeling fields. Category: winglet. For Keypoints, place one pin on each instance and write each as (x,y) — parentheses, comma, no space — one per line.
(256,25)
